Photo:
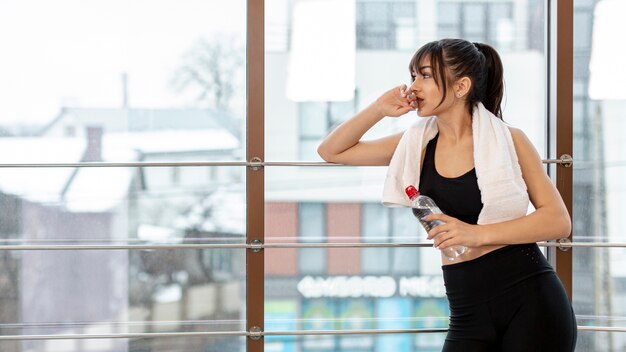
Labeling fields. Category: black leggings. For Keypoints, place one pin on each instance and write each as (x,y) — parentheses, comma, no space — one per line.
(508,300)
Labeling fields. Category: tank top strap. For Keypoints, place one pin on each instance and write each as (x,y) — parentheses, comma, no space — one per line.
(428,165)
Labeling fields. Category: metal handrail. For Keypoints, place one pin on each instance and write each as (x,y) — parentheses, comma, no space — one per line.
(566,160)
(255,334)
(38,247)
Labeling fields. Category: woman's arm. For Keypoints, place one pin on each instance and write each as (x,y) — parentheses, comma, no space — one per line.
(550,220)
(344,146)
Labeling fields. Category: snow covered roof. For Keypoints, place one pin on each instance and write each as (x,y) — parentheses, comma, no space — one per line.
(38,185)
(173,141)
(138,120)
(80,190)
(94,189)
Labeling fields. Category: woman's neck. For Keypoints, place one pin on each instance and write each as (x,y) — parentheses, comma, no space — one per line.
(454,124)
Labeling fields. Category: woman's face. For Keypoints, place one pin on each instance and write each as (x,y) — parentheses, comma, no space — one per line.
(425,91)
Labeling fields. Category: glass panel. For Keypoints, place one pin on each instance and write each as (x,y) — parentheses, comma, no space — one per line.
(431,342)
(104,81)
(122,205)
(313,119)
(121,291)
(341,70)
(474,18)
(599,193)
(389,287)
(350,290)
(599,295)
(308,149)
(162,344)
(449,13)
(375,229)
(312,221)
(586,337)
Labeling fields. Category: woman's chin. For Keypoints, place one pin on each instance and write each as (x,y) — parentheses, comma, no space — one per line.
(422,113)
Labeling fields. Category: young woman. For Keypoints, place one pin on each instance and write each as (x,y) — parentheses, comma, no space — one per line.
(503,294)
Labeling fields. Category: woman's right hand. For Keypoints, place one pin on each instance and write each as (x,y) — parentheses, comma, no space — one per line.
(394,102)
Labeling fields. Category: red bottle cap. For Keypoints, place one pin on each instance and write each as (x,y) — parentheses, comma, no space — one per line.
(411,191)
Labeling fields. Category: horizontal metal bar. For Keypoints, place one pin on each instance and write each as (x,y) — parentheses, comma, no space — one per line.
(167,164)
(121,336)
(192,164)
(352,332)
(583,244)
(343,245)
(263,333)
(67,247)
(63,247)
(129,164)
(38,247)
(602,328)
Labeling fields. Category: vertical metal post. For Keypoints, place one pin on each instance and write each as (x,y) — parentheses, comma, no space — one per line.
(255,74)
(561,19)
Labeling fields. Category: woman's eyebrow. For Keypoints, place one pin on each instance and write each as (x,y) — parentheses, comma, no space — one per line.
(423,67)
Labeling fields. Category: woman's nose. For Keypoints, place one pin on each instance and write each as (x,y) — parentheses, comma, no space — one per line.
(414,87)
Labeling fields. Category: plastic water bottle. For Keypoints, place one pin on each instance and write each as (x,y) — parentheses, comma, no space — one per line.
(423,206)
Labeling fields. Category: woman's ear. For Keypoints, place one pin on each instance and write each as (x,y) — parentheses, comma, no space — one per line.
(462,86)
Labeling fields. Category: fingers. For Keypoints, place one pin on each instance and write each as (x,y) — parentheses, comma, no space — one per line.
(403,90)
(443,217)
(394,102)
(436,231)
(443,241)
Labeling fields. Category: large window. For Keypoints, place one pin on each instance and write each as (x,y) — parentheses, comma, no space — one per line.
(115,250)
(364,47)
(129,249)
(599,112)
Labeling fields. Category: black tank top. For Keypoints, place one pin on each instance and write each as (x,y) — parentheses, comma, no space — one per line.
(458,197)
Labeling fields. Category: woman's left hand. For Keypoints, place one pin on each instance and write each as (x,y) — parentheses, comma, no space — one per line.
(453,232)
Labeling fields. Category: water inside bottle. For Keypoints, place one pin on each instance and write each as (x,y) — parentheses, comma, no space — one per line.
(420,212)
(452,252)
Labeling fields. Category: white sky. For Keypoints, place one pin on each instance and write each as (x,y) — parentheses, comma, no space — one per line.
(74,51)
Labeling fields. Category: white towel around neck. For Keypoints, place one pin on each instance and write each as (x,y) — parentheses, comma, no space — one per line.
(503,190)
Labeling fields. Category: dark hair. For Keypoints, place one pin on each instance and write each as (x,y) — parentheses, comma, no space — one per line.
(479,62)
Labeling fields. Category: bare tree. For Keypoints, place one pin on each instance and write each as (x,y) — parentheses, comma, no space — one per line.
(213,69)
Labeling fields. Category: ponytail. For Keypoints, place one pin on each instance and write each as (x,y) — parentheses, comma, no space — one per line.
(493,89)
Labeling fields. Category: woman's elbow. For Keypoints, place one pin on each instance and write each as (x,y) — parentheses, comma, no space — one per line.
(564,226)
(323,152)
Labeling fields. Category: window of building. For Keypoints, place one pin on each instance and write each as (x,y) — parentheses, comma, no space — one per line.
(485,22)
(382,225)
(375,228)
(316,120)
(385,25)
(312,229)
(405,229)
